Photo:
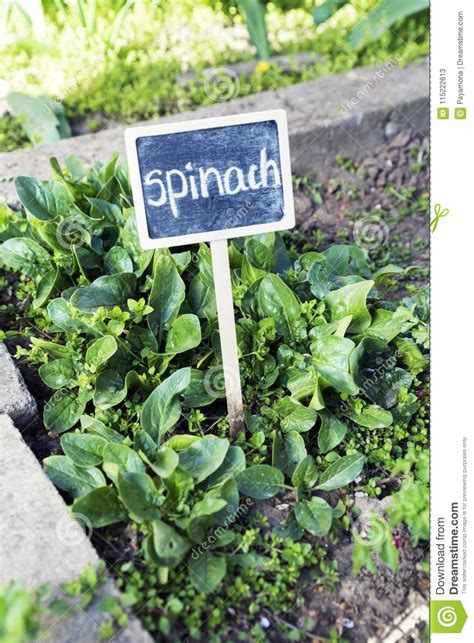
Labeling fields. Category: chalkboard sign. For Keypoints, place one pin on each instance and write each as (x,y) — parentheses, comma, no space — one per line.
(210,179)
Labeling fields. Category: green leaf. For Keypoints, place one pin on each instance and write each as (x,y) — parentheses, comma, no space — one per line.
(324,11)
(184,334)
(318,276)
(180,441)
(45,200)
(146,444)
(167,542)
(96,427)
(331,360)
(315,516)
(385,14)
(58,373)
(306,474)
(206,571)
(288,451)
(58,351)
(117,260)
(101,350)
(43,118)
(295,416)
(390,384)
(260,481)
(141,339)
(198,393)
(63,410)
(166,461)
(166,296)
(342,472)
(387,324)
(371,417)
(228,490)
(351,300)
(110,213)
(207,506)
(140,496)
(119,458)
(76,481)
(84,450)
(26,256)
(101,506)
(203,457)
(162,408)
(106,292)
(111,387)
(131,243)
(46,286)
(410,355)
(234,463)
(62,316)
(254,13)
(331,433)
(277,300)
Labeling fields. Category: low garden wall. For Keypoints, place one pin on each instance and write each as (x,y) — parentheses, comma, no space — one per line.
(351,115)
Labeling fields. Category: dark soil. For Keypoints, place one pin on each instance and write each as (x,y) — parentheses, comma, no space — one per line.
(381,204)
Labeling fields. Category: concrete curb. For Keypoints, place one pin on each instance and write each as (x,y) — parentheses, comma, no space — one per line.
(40,543)
(352,114)
(15,399)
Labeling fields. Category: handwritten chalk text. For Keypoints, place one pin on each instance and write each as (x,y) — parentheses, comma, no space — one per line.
(200,182)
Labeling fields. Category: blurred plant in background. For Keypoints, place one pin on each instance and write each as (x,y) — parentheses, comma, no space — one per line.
(94,64)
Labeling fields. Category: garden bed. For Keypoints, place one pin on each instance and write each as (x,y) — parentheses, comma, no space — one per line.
(300,591)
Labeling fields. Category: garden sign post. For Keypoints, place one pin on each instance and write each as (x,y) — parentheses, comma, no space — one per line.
(211,180)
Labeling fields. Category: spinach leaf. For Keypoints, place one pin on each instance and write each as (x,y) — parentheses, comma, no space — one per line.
(260,481)
(278,301)
(315,516)
(203,457)
(44,199)
(342,472)
(166,296)
(206,571)
(105,292)
(67,476)
(101,506)
(139,495)
(350,300)
(162,408)
(84,450)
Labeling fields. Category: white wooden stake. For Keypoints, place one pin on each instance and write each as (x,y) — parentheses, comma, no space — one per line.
(228,337)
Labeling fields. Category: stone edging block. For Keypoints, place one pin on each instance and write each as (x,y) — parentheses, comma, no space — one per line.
(352,114)
(15,399)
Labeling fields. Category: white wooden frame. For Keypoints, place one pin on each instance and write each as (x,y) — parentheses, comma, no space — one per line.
(134,133)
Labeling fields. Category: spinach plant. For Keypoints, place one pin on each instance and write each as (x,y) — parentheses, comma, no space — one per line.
(128,341)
